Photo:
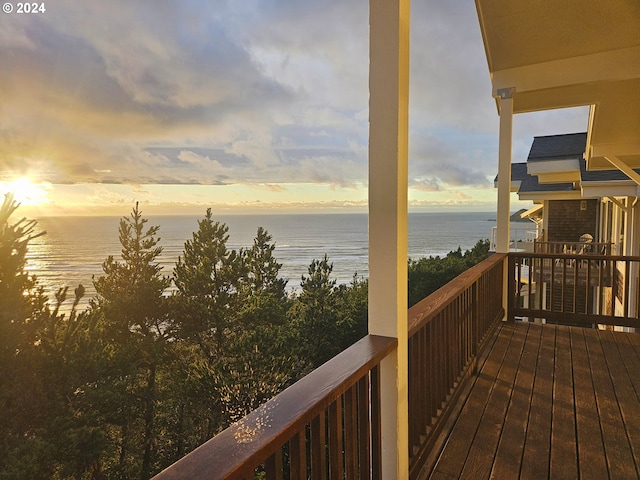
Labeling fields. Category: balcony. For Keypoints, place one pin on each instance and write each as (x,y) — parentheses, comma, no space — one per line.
(486,397)
(580,288)
(455,391)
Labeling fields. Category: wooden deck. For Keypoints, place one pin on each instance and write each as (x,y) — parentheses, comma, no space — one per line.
(548,402)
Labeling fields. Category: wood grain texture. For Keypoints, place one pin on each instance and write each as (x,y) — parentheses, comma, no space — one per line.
(550,402)
(235,452)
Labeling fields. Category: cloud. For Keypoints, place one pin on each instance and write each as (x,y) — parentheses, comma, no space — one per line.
(450,84)
(257,93)
(429,184)
(448,156)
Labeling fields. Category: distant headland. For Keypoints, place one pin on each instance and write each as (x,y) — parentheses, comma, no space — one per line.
(515,217)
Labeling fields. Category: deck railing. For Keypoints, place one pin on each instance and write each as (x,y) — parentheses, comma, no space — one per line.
(327,425)
(583,248)
(585,290)
(446,331)
(520,238)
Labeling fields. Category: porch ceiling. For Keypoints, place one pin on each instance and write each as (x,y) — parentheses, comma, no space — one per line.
(565,53)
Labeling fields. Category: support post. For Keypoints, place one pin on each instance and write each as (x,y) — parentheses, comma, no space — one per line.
(504,170)
(503,234)
(388,185)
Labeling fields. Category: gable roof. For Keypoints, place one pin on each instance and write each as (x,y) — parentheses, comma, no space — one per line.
(518,172)
(518,175)
(562,148)
(555,147)
(531,185)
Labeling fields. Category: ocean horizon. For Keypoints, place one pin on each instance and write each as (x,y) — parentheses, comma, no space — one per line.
(74,248)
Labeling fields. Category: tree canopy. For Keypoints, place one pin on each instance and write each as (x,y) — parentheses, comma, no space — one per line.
(159,362)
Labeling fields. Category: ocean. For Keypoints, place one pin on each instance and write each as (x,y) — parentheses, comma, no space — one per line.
(73,249)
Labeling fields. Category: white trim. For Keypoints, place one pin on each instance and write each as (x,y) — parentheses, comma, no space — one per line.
(540,196)
(615,150)
(620,205)
(602,191)
(531,211)
(504,174)
(569,166)
(564,177)
(624,168)
(607,66)
(388,212)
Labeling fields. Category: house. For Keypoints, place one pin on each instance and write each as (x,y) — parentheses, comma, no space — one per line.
(407,400)
(572,201)
(574,220)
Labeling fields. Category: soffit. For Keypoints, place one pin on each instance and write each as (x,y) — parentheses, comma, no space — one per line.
(518,33)
(567,53)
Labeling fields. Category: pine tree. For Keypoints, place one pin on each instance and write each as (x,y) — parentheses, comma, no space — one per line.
(262,360)
(208,280)
(21,301)
(130,299)
(19,297)
(317,314)
(47,430)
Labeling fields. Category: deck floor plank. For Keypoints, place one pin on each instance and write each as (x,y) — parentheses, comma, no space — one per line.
(564,453)
(625,390)
(619,457)
(537,448)
(549,402)
(630,359)
(479,461)
(508,457)
(591,454)
(452,459)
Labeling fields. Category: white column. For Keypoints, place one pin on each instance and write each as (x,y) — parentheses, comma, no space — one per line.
(503,233)
(504,170)
(388,184)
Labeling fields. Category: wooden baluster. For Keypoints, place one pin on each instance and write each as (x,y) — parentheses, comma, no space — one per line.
(298,454)
(625,295)
(364,432)
(336,465)
(575,286)
(318,447)
(273,466)
(376,435)
(350,434)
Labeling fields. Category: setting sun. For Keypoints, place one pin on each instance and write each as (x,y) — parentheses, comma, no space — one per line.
(26,192)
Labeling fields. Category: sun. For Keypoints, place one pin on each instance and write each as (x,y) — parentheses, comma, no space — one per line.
(26,192)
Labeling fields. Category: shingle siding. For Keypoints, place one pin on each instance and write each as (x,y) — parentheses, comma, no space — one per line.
(567,222)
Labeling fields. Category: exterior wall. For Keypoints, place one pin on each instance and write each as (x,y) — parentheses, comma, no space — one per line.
(567,221)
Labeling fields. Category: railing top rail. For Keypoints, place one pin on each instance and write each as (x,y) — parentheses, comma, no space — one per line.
(263,431)
(578,256)
(427,308)
(556,242)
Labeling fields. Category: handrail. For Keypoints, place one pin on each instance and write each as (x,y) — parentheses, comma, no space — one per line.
(578,289)
(427,308)
(577,256)
(591,248)
(299,412)
(446,332)
(328,424)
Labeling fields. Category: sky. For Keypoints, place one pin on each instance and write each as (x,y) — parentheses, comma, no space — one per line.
(243,106)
